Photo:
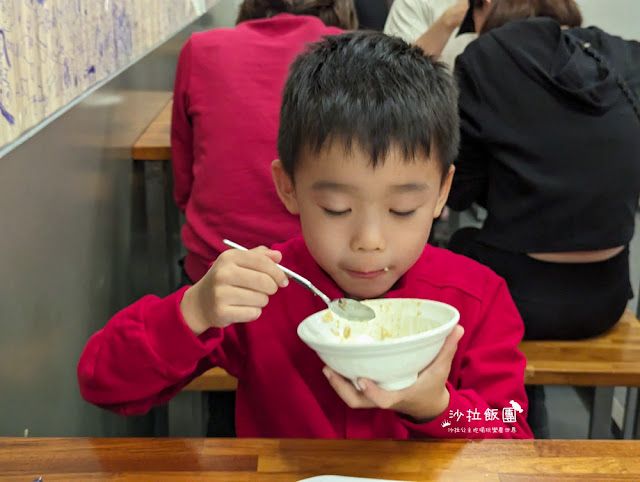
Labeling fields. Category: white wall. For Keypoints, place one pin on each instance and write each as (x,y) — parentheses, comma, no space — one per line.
(618,17)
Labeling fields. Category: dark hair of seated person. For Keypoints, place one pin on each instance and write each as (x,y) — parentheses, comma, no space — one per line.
(334,13)
(565,12)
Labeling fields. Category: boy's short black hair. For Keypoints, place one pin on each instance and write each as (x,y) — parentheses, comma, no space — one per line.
(373,89)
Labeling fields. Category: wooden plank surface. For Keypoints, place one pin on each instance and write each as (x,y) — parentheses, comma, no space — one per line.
(213,380)
(290,460)
(611,359)
(130,113)
(155,142)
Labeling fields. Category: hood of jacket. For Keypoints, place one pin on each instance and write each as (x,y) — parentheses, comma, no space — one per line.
(555,58)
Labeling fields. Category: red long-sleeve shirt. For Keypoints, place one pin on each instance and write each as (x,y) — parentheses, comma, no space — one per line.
(226,107)
(146,354)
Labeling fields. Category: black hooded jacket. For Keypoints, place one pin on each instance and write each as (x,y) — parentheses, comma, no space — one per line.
(550,144)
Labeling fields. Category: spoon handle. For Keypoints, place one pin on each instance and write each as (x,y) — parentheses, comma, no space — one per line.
(291,274)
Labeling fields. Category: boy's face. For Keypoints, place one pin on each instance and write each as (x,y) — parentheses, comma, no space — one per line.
(365,227)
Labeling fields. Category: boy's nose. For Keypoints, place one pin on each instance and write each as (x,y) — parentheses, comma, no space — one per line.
(368,237)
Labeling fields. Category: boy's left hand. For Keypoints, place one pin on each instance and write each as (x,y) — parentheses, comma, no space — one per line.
(425,400)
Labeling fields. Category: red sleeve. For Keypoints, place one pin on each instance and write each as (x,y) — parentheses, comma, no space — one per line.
(490,378)
(182,130)
(146,354)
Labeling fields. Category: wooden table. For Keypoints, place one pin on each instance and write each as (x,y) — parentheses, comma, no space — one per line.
(151,154)
(236,460)
(155,142)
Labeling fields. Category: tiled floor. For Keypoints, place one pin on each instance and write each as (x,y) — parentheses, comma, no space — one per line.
(568,411)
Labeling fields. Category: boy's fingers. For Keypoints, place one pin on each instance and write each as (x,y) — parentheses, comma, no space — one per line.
(378,396)
(272,254)
(263,260)
(249,277)
(239,314)
(345,390)
(371,395)
(449,348)
(280,277)
(235,296)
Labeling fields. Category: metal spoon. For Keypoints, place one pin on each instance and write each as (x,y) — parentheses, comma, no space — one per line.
(346,308)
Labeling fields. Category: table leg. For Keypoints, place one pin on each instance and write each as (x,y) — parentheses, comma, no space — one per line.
(187,414)
(157,227)
(630,414)
(600,423)
(173,228)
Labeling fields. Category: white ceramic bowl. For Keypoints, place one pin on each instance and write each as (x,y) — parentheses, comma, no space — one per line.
(391,350)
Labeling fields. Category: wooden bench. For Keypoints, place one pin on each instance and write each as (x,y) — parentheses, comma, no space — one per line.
(214,380)
(605,361)
(611,359)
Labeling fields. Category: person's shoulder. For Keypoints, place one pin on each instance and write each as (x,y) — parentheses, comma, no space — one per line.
(310,26)
(513,35)
(593,32)
(229,35)
(476,53)
(518,41)
(604,40)
(443,269)
(213,37)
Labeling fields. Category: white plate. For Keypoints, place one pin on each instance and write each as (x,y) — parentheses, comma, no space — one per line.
(342,478)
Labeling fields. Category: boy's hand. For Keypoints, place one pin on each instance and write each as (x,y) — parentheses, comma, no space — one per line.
(234,290)
(425,400)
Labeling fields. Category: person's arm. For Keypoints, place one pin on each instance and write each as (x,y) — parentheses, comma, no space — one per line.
(470,180)
(182,130)
(150,350)
(436,37)
(491,376)
(146,354)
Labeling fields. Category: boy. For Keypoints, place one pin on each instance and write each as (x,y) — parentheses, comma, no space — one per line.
(368,133)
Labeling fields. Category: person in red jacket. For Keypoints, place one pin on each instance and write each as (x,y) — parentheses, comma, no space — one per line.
(368,133)
(224,125)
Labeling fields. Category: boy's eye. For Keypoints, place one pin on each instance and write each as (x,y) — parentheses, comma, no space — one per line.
(402,214)
(336,213)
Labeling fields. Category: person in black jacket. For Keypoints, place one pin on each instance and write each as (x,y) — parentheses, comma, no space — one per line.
(550,146)
(372,14)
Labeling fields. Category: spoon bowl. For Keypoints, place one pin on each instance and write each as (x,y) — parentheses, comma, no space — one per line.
(346,308)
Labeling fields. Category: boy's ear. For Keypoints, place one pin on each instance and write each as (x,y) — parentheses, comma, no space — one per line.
(284,186)
(444,192)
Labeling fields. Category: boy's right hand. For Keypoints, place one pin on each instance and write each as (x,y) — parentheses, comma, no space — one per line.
(234,290)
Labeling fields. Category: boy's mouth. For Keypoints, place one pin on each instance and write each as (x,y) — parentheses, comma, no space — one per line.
(367,274)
